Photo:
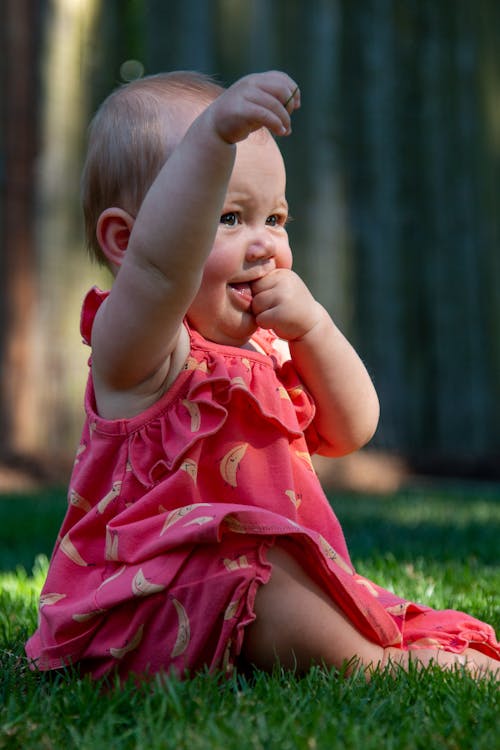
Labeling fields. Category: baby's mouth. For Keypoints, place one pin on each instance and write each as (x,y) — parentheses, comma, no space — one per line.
(243,288)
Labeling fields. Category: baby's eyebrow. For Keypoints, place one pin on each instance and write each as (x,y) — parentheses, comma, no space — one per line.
(236,202)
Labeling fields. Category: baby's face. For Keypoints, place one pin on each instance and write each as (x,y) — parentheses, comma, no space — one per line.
(251,241)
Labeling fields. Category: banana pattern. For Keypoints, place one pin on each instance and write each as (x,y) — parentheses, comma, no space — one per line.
(426,642)
(236,564)
(229,464)
(296,499)
(109,497)
(296,391)
(194,412)
(113,577)
(231,609)
(190,466)
(81,449)
(141,586)
(193,364)
(178,513)
(283,393)
(368,585)
(46,600)
(234,524)
(119,653)
(227,665)
(77,501)
(87,615)
(238,380)
(306,458)
(111,548)
(331,554)
(398,609)
(183,632)
(199,521)
(71,551)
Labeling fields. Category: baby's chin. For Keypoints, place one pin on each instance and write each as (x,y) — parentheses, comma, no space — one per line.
(239,338)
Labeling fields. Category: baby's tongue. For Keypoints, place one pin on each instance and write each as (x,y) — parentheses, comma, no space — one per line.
(243,288)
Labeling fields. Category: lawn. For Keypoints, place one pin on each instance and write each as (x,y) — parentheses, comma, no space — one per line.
(433,544)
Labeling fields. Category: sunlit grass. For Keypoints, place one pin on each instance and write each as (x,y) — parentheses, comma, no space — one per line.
(19,594)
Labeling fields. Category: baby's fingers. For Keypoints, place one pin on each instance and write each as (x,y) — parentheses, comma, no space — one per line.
(255,101)
(282,97)
(293,101)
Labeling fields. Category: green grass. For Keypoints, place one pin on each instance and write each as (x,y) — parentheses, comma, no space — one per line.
(438,546)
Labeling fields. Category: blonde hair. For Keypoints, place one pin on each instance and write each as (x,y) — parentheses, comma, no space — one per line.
(131,136)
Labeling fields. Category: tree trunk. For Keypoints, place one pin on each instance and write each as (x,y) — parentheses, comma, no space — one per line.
(65,272)
(18,35)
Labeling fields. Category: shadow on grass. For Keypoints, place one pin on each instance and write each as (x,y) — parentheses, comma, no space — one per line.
(28,526)
(439,524)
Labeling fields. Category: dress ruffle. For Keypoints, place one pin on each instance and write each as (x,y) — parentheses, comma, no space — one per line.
(159,446)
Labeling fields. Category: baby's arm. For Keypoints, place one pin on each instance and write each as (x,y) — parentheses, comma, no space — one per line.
(137,330)
(347,407)
(347,404)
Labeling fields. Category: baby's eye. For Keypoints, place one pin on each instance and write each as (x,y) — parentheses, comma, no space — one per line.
(230,219)
(274,220)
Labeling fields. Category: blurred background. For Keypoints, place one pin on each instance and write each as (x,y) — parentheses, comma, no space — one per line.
(393,185)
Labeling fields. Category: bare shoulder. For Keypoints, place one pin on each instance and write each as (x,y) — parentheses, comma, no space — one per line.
(125,403)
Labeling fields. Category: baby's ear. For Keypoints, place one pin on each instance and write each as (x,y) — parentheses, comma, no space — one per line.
(113,233)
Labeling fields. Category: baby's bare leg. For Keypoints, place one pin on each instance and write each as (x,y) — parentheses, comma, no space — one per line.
(297,625)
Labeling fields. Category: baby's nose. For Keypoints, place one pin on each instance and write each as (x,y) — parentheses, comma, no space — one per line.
(260,248)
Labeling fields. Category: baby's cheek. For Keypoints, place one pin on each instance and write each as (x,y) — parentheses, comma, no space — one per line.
(286,260)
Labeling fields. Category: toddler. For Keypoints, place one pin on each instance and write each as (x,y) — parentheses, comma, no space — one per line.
(197,534)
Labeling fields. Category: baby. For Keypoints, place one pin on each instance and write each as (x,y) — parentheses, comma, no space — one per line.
(197,534)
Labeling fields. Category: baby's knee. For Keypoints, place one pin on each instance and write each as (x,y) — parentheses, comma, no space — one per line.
(298,625)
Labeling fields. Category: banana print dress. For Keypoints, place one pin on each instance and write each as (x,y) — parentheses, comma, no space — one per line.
(170,514)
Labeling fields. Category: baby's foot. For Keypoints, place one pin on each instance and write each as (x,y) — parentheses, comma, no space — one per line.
(476,663)
(479,664)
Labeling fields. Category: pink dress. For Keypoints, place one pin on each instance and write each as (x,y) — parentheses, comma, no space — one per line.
(170,514)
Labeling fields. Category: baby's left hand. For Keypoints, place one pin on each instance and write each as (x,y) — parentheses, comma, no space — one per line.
(284,303)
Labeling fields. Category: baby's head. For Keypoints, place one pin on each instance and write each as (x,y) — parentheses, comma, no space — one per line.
(132,134)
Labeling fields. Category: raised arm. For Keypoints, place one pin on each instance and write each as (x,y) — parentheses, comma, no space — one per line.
(136,331)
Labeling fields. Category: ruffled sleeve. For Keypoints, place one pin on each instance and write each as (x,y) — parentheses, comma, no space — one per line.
(303,404)
(92,302)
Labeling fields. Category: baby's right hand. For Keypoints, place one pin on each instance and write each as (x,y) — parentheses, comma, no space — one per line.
(255,101)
